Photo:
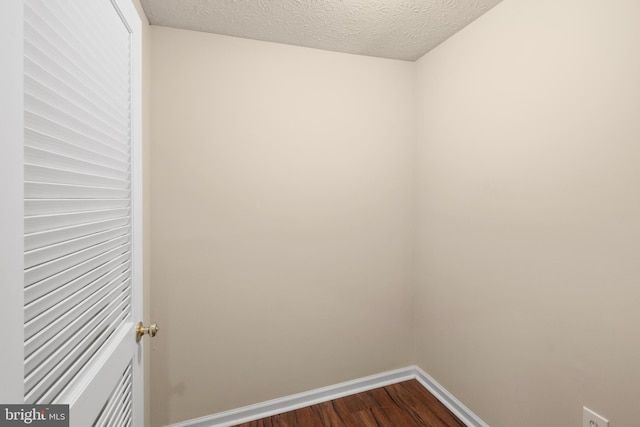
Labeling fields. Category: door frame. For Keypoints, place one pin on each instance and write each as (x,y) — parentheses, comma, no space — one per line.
(12,200)
(12,203)
(132,19)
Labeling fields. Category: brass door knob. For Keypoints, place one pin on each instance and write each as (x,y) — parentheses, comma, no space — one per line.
(152,330)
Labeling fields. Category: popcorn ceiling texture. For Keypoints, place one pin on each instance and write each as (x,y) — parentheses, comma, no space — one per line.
(396,29)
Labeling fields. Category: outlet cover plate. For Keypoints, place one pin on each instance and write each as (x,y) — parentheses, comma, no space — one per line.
(591,419)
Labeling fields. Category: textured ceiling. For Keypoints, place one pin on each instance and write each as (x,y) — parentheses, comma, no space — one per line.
(398,29)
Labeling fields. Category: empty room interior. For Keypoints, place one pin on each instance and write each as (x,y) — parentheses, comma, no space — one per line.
(318,217)
(359,192)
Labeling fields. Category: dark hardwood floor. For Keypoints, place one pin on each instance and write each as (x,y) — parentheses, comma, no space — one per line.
(406,404)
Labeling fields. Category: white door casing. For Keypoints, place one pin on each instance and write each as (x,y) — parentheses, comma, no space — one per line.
(11,202)
(102,374)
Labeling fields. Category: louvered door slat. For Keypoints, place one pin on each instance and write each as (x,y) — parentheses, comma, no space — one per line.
(77,272)
(76,291)
(55,130)
(99,52)
(57,98)
(118,416)
(34,207)
(73,51)
(58,235)
(109,54)
(121,396)
(44,61)
(58,250)
(55,146)
(42,46)
(122,420)
(66,325)
(37,223)
(39,107)
(37,173)
(43,99)
(48,371)
(62,142)
(45,64)
(40,190)
(37,156)
(117,396)
(114,403)
(82,273)
(119,245)
(56,385)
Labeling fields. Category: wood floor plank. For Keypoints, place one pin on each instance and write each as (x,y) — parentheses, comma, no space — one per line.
(328,415)
(405,404)
(431,406)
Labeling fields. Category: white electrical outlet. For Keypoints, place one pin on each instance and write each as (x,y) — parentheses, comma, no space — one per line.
(591,419)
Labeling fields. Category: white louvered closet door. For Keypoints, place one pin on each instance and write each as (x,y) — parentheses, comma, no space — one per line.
(81,207)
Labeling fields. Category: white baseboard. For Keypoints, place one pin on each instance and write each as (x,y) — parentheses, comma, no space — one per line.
(319,395)
(448,400)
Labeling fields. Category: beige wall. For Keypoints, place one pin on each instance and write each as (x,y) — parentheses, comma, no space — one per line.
(528,296)
(281,220)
